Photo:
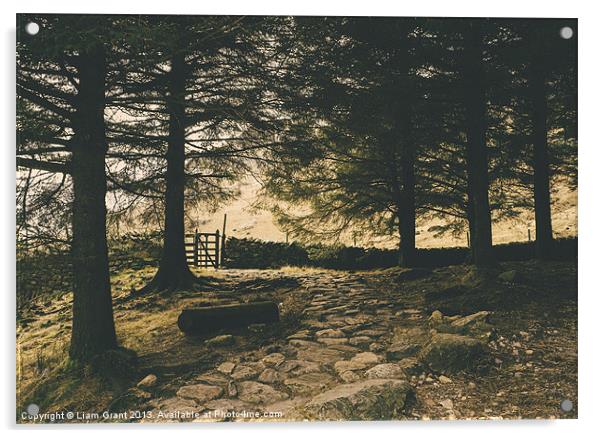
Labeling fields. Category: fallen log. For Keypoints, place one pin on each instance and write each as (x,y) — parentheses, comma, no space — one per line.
(209,319)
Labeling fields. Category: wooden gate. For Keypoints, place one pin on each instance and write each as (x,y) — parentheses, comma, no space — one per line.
(203,249)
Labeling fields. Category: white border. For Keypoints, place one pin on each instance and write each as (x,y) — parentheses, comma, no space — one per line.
(590,163)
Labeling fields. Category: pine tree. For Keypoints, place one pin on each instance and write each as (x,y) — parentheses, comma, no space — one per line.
(62,80)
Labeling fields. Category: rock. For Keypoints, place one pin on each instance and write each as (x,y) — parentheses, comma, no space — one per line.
(273,348)
(454,353)
(343,347)
(509,276)
(178,404)
(226,367)
(302,343)
(374,333)
(288,409)
(269,375)
(220,341)
(330,333)
(348,365)
(303,334)
(363,320)
(232,390)
(377,347)
(360,340)
(411,366)
(366,358)
(273,359)
(245,372)
(254,392)
(447,404)
(401,351)
(436,318)
(148,382)
(213,378)
(349,376)
(412,335)
(375,399)
(385,371)
(299,367)
(200,392)
(482,316)
(444,379)
(475,325)
(309,383)
(320,355)
(333,341)
(315,324)
(224,405)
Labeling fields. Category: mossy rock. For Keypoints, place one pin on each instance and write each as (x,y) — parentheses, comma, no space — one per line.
(452,353)
(372,399)
(476,325)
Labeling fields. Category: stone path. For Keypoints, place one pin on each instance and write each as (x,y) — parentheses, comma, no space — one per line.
(346,361)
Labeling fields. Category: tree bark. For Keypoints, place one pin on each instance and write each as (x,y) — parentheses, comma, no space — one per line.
(173,272)
(476,158)
(541,167)
(93,328)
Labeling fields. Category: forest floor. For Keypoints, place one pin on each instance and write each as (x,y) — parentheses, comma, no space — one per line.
(349,345)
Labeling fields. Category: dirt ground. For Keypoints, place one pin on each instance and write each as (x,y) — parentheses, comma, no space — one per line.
(336,329)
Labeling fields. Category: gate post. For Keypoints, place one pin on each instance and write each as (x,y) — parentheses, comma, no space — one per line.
(196,247)
(216,249)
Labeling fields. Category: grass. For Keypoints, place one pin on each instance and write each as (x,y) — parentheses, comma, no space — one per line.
(145,324)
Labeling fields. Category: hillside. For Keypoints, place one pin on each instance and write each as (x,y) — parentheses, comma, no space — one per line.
(245,221)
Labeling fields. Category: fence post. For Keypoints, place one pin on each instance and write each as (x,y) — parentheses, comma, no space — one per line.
(223,252)
(223,240)
(195,240)
(529,233)
(216,249)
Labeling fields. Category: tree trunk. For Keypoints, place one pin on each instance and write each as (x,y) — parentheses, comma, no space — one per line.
(407,210)
(173,272)
(93,328)
(469,209)
(405,213)
(477,162)
(407,216)
(541,168)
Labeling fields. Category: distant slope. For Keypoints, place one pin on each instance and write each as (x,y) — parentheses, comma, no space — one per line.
(243,221)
